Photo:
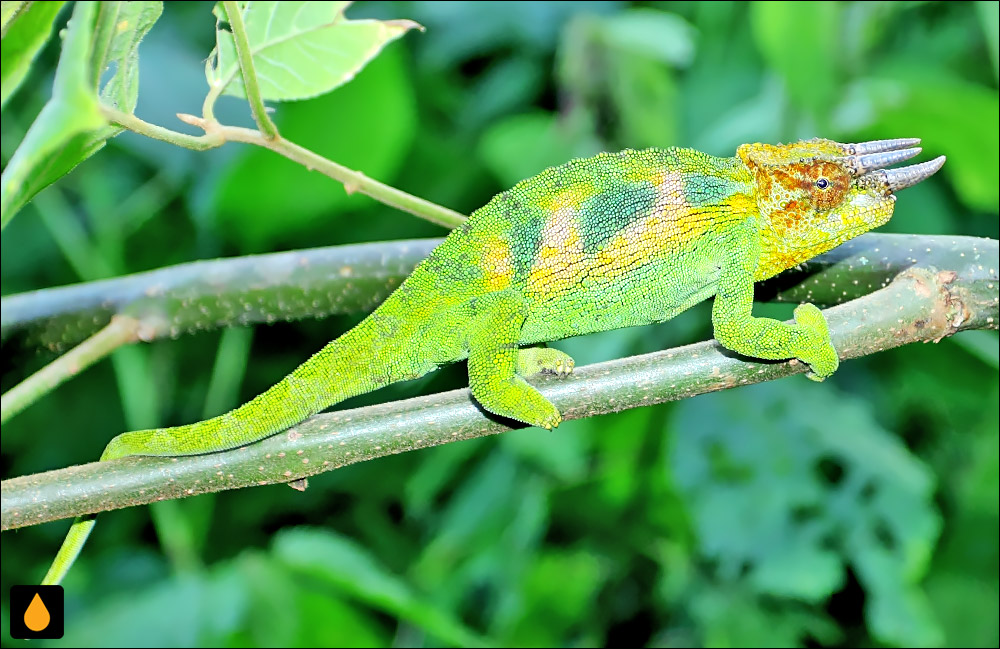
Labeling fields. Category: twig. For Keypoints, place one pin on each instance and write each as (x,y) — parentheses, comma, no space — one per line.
(216,135)
(120,331)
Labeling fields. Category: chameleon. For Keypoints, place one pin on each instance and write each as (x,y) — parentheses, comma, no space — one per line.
(615,240)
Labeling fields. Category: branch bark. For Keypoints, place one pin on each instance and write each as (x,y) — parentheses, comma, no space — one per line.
(921,303)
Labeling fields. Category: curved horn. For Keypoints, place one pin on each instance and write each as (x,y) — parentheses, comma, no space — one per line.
(909,176)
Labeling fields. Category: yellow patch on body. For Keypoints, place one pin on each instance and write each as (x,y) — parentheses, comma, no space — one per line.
(560,255)
(571,198)
(497,264)
(559,262)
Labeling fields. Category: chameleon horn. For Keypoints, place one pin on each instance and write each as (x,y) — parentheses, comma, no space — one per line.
(909,176)
(879,146)
(864,163)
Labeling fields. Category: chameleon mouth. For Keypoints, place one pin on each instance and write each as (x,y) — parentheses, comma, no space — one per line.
(868,160)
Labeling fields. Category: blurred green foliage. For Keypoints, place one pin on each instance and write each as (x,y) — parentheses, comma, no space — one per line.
(863,511)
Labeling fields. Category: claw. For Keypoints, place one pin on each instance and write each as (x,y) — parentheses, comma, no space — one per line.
(909,176)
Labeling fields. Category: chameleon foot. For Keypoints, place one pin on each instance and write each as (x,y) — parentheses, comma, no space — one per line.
(817,349)
(534,360)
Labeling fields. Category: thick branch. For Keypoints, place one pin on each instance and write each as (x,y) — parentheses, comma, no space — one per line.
(221,292)
(920,304)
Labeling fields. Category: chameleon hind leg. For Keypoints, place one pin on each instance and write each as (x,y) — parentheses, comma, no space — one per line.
(535,360)
(494,362)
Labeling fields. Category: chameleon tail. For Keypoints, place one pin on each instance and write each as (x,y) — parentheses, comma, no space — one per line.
(70,549)
(359,361)
(353,364)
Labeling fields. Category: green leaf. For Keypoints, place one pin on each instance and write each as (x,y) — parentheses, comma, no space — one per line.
(22,40)
(654,34)
(8,11)
(70,128)
(353,570)
(300,49)
(989,18)
(62,134)
(646,98)
(120,28)
(783,501)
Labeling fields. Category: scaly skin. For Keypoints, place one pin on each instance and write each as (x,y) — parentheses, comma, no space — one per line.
(601,243)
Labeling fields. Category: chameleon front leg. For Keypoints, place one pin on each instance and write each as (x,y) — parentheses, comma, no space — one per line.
(735,328)
(494,362)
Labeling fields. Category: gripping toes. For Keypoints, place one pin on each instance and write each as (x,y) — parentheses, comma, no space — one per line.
(533,360)
(816,349)
(514,398)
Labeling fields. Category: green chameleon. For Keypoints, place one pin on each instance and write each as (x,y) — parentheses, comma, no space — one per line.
(617,240)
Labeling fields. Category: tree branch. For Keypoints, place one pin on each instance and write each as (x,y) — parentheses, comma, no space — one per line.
(214,293)
(354,181)
(923,303)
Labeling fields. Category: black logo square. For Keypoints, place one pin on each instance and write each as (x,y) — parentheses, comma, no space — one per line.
(36,612)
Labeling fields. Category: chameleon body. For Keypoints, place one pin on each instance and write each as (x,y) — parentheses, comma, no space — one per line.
(611,241)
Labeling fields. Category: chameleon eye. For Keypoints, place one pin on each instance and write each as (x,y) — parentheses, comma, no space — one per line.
(822,183)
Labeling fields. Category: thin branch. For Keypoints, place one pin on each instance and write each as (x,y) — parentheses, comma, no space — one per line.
(354,181)
(203,295)
(250,84)
(210,140)
(921,304)
(120,331)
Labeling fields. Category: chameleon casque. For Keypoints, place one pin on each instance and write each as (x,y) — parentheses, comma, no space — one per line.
(611,241)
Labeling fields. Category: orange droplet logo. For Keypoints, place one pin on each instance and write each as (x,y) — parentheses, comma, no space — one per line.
(36,616)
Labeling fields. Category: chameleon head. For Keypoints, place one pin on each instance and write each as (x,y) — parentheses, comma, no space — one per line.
(814,195)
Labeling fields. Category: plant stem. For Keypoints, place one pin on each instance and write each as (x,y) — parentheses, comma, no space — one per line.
(354,181)
(120,331)
(250,85)
(217,135)
(209,140)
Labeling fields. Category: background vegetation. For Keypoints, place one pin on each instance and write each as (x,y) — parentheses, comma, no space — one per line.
(863,511)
